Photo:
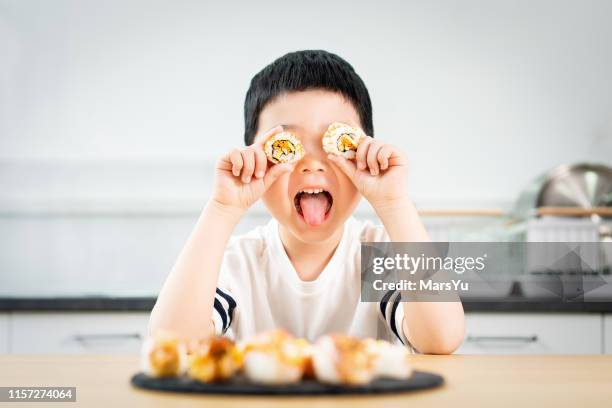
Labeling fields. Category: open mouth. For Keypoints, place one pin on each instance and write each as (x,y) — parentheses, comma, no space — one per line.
(313,205)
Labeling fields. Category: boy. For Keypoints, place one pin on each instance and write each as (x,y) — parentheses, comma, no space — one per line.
(301,271)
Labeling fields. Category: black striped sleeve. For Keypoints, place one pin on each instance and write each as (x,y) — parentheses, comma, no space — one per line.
(389,306)
(223,311)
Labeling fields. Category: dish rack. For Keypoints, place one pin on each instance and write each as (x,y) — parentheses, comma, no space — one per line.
(582,260)
(566,230)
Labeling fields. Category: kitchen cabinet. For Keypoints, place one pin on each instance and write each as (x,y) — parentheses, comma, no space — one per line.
(77,332)
(533,333)
(4,333)
(486,333)
(607,335)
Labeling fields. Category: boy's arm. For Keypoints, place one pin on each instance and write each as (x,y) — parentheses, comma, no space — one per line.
(379,172)
(431,327)
(185,304)
(188,292)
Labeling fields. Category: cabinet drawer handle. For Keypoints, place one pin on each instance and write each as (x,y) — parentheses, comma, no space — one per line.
(517,339)
(85,338)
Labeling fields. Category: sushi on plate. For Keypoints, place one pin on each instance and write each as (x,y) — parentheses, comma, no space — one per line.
(214,359)
(342,359)
(163,355)
(275,357)
(390,360)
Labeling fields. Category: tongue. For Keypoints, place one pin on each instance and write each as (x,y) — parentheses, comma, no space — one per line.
(313,208)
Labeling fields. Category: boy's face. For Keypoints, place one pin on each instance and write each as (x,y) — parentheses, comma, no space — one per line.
(307,114)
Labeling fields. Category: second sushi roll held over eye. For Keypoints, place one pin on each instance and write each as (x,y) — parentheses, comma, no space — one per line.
(283,147)
(342,139)
(214,359)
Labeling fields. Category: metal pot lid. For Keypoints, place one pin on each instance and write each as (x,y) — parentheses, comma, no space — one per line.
(583,185)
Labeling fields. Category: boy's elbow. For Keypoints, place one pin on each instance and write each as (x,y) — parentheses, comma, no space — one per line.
(442,346)
(155,324)
(168,324)
(442,342)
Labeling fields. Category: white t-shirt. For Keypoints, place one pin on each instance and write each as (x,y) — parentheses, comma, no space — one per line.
(260,290)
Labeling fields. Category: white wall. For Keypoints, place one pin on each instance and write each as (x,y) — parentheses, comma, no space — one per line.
(117,109)
(483,95)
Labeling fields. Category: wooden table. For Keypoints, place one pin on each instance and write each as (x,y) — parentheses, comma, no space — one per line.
(471,381)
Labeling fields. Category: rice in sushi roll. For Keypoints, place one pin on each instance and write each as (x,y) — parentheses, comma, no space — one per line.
(275,357)
(341,359)
(390,360)
(283,147)
(163,356)
(214,359)
(342,140)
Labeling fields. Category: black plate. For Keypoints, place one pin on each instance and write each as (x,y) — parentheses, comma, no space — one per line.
(240,386)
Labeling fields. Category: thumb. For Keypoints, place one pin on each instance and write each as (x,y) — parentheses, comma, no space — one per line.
(276,171)
(347,166)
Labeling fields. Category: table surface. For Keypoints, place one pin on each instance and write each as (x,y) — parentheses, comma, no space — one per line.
(555,381)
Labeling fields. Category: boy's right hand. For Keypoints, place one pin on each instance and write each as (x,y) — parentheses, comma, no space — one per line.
(243,175)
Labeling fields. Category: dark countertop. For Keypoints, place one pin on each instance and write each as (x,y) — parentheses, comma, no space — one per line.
(77,304)
(145,304)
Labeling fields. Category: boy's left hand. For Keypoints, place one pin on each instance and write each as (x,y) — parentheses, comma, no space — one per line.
(379,171)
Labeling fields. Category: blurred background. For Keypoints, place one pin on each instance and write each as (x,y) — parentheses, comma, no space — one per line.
(112,114)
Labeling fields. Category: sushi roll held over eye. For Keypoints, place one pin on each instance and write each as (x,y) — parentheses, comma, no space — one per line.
(283,147)
(163,356)
(342,140)
(214,359)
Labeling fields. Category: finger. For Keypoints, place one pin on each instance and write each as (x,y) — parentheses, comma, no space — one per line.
(275,172)
(383,156)
(237,163)
(346,166)
(261,162)
(248,157)
(372,158)
(362,152)
(397,159)
(260,141)
(224,163)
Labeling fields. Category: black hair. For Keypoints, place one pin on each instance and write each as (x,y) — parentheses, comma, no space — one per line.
(301,71)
